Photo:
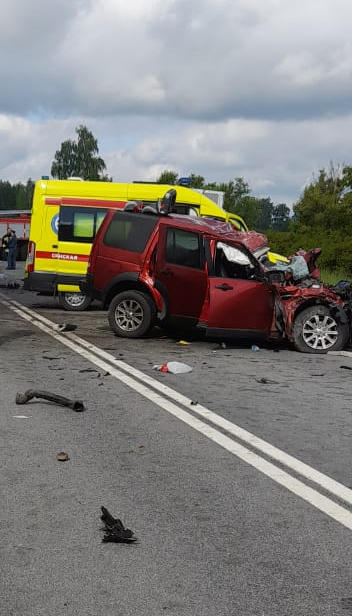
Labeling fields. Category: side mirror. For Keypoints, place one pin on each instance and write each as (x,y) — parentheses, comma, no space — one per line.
(167,203)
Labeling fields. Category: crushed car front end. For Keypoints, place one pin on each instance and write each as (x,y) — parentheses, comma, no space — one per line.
(316,318)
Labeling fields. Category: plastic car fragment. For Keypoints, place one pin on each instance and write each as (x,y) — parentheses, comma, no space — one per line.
(75,405)
(175,367)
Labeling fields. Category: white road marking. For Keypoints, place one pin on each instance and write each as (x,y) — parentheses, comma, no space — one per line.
(325,482)
(343,353)
(122,371)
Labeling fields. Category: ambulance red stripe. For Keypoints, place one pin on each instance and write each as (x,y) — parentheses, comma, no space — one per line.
(61,256)
(103,203)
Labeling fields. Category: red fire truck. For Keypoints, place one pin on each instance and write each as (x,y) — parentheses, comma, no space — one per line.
(19,221)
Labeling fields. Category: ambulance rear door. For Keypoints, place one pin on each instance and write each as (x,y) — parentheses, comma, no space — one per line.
(44,228)
(77,227)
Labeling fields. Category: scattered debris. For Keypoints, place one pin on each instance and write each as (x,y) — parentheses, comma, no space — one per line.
(194,402)
(221,345)
(5,283)
(114,529)
(346,367)
(50,358)
(88,370)
(183,342)
(140,446)
(62,456)
(267,381)
(65,327)
(175,367)
(322,373)
(76,405)
(22,416)
(254,347)
(106,374)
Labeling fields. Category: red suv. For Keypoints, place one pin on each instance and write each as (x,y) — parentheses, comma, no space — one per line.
(155,268)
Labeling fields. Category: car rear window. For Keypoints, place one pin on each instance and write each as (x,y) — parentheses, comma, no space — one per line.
(128,231)
(79,224)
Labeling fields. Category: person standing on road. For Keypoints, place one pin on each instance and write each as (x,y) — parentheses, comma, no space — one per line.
(4,245)
(12,246)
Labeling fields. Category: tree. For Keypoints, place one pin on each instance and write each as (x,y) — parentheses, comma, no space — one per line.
(21,197)
(249,209)
(235,191)
(79,158)
(167,177)
(7,196)
(321,203)
(281,217)
(267,208)
(29,193)
(197,181)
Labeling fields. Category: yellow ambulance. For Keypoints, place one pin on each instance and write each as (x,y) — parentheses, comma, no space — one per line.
(66,215)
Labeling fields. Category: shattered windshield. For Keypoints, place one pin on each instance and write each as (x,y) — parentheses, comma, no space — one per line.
(231,262)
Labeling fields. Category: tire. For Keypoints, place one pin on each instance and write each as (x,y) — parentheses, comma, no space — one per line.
(315,330)
(74,302)
(131,314)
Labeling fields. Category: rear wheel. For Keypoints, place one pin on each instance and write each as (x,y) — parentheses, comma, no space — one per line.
(131,314)
(315,330)
(74,301)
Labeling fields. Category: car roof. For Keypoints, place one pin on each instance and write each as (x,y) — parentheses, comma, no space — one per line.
(223,231)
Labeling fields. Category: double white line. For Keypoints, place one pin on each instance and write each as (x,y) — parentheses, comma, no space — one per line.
(194,415)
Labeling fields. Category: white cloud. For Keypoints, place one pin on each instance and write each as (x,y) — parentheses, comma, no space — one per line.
(216,87)
(276,158)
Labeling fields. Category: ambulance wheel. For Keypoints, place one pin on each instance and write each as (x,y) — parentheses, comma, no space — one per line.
(74,301)
(131,314)
(315,330)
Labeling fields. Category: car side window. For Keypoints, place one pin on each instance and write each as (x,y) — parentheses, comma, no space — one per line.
(231,262)
(183,248)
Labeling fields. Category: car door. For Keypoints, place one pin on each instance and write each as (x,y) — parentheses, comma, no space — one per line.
(237,300)
(180,271)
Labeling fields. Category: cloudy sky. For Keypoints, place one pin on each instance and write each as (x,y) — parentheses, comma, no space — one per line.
(222,88)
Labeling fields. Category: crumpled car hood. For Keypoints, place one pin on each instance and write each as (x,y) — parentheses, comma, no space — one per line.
(291,297)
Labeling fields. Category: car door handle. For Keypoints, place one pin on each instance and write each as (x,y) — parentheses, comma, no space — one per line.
(224,287)
(54,246)
(167,272)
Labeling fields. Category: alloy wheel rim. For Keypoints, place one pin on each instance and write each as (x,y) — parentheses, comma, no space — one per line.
(129,315)
(320,332)
(74,299)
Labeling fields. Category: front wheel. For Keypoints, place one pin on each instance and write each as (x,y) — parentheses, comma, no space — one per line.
(131,314)
(74,301)
(315,330)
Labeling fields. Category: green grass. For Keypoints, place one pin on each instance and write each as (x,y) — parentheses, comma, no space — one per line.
(333,276)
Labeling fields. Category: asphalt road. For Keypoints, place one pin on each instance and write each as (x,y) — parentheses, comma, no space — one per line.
(217,535)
